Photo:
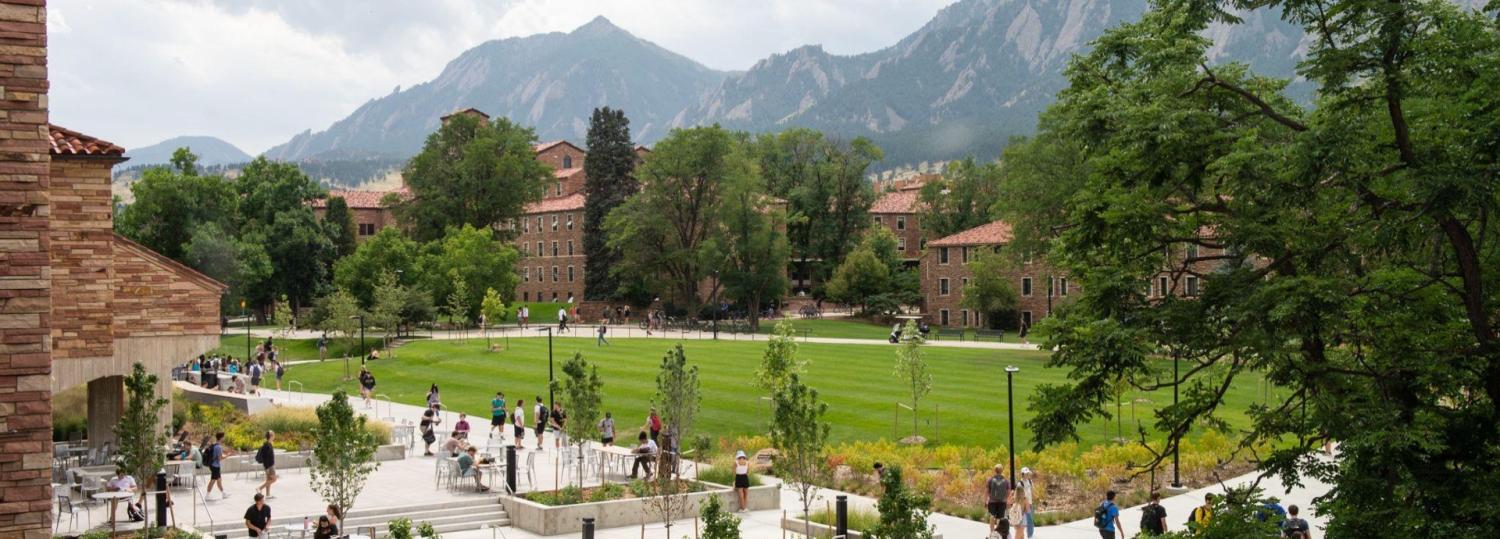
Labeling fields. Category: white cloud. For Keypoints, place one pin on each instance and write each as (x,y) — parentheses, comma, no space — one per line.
(256,72)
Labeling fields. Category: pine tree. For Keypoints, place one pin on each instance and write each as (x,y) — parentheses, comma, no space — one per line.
(339,223)
(609,172)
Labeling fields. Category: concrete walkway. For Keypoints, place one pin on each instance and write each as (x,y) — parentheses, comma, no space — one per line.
(406,482)
(635,332)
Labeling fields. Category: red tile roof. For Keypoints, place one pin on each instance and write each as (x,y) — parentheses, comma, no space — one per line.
(359,200)
(566,172)
(465,111)
(570,202)
(995,233)
(69,142)
(896,202)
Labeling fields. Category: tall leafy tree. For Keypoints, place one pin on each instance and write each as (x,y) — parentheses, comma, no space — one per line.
(961,199)
(859,278)
(1345,251)
(471,172)
(387,251)
(677,212)
(171,203)
(992,292)
(274,208)
(343,453)
(390,300)
(477,257)
(753,249)
(828,198)
(340,224)
(609,175)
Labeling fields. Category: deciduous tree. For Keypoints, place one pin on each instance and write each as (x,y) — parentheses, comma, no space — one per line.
(961,199)
(799,436)
(583,397)
(911,368)
(471,172)
(139,436)
(343,454)
(991,291)
(340,224)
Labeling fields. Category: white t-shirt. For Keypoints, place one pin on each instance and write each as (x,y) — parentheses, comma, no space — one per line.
(520,416)
(562,314)
(122,483)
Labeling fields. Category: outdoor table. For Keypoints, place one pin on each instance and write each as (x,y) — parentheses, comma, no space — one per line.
(618,454)
(177,467)
(408,432)
(114,498)
(295,529)
(357,536)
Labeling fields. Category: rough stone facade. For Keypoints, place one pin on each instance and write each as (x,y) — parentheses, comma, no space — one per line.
(945,271)
(566,161)
(897,211)
(25,275)
(549,236)
(366,209)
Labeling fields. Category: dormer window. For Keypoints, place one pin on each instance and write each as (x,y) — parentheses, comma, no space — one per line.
(567,161)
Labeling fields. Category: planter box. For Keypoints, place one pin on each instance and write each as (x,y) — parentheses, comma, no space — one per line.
(556,520)
(797,525)
(298,459)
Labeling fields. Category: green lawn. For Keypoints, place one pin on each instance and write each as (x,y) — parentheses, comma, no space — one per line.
(853,328)
(297,349)
(854,380)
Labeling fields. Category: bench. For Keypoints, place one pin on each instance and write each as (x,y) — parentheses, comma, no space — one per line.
(997,334)
(950,332)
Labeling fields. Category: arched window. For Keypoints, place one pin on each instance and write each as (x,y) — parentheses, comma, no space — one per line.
(567,161)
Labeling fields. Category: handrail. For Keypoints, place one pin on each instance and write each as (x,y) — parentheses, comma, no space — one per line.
(294,383)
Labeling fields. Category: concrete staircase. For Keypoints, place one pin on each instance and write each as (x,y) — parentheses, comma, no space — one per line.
(445,517)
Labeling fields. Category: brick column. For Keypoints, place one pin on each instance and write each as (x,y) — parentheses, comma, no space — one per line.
(25,287)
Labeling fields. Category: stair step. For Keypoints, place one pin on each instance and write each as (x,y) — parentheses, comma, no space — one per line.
(381,530)
(452,512)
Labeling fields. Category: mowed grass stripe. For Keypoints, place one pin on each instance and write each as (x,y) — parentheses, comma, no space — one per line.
(857,382)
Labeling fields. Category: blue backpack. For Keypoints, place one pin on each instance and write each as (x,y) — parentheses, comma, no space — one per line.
(1101,515)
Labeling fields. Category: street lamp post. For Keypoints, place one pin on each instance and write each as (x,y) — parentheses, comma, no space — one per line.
(1176,448)
(716,305)
(361,344)
(551,379)
(245,315)
(1010,397)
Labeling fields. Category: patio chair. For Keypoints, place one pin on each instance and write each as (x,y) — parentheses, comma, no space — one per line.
(453,475)
(440,469)
(530,469)
(65,505)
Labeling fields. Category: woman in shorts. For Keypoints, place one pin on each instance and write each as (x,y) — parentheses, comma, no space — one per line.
(518,422)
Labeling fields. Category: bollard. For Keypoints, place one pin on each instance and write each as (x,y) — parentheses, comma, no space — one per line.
(841,516)
(161,498)
(510,468)
(588,528)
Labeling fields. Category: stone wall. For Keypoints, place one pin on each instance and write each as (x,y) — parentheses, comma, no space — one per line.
(25,286)
(156,296)
(81,255)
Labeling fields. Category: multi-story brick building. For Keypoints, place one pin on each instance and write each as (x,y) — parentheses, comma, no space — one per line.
(899,212)
(366,209)
(946,271)
(549,235)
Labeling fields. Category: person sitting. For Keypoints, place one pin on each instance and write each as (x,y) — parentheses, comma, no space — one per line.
(461,428)
(645,452)
(453,445)
(123,482)
(466,468)
(325,529)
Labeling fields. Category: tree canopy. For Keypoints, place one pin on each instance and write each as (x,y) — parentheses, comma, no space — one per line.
(609,173)
(471,172)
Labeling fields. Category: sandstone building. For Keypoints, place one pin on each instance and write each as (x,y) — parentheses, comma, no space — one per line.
(945,271)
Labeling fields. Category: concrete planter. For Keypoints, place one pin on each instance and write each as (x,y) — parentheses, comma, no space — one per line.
(556,520)
(797,525)
(294,460)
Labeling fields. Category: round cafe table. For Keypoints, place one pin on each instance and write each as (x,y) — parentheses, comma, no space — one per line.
(295,530)
(114,498)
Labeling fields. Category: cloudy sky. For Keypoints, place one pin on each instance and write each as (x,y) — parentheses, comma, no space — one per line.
(254,73)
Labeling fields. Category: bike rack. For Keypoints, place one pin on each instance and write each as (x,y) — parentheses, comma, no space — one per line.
(296,384)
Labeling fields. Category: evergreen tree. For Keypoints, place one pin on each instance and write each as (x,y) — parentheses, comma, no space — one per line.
(340,224)
(610,180)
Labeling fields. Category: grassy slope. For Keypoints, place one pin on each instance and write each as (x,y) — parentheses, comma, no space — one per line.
(841,328)
(855,380)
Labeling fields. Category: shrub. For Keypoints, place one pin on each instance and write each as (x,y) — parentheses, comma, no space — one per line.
(399,528)
(718,523)
(859,519)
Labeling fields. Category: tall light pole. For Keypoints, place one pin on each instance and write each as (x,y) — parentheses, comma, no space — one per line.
(245,314)
(716,305)
(361,344)
(1010,397)
(551,379)
(1176,448)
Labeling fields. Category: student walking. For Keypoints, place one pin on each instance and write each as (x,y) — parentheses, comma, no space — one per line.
(1154,517)
(366,385)
(1019,511)
(1294,527)
(601,341)
(213,457)
(999,493)
(279,370)
(559,418)
(518,423)
(497,415)
(258,518)
(541,421)
(607,430)
(562,319)
(1107,518)
(430,419)
(1202,514)
(433,397)
(653,424)
(266,457)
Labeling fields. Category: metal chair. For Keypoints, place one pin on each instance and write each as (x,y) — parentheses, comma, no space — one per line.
(87,486)
(65,505)
(453,475)
(440,470)
(530,469)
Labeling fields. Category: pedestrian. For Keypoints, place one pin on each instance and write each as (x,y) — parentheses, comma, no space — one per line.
(366,385)
(559,418)
(323,346)
(627,315)
(607,430)
(653,424)
(998,491)
(1107,518)
(1154,517)
(430,419)
(213,457)
(518,422)
(602,329)
(258,517)
(266,457)
(279,370)
(497,415)
(540,413)
(742,479)
(433,396)
(1202,514)
(1294,527)
(1020,510)
(562,319)
(523,316)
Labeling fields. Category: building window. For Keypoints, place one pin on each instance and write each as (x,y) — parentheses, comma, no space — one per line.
(879,221)
(554,217)
(965,314)
(965,283)
(900,222)
(1026,286)
(901,244)
(1192,251)
(922,243)
(367,229)
(525,275)
(1192,286)
(570,221)
(942,255)
(966,255)
(526,296)
(1062,286)
(943,317)
(567,161)
(539,278)
(943,287)
(554,274)
(540,251)
(525,226)
(554,248)
(554,297)
(570,274)
(570,246)
(1161,287)
(1026,318)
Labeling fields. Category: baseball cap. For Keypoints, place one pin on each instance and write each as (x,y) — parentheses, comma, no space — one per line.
(1025,470)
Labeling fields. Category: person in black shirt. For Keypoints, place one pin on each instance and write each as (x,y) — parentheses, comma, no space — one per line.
(258,517)
(326,529)
(429,419)
(267,458)
(1154,517)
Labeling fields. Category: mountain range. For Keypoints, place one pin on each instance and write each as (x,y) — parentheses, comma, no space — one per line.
(979,72)
(210,151)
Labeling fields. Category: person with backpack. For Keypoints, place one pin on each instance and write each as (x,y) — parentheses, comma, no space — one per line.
(540,413)
(1294,527)
(601,340)
(430,418)
(1107,518)
(653,424)
(562,319)
(1154,517)
(1202,514)
(279,370)
(266,457)
(213,457)
(999,495)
